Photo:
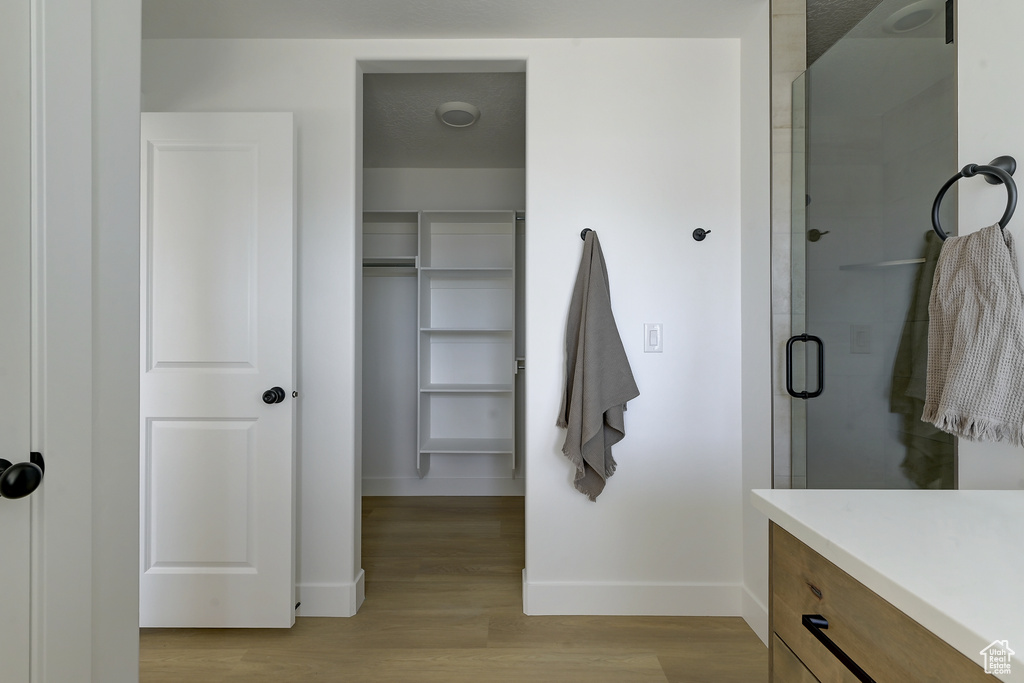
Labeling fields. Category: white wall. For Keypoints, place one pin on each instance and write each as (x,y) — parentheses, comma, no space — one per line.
(989,63)
(666,536)
(428,189)
(638,140)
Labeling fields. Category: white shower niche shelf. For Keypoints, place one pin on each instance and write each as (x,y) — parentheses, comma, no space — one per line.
(466,340)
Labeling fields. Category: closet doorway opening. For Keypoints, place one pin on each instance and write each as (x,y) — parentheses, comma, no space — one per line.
(442,356)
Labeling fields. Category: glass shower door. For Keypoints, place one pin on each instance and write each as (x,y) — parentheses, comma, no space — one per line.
(874,140)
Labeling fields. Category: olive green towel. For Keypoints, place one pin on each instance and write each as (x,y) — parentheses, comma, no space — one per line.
(928,461)
(598,379)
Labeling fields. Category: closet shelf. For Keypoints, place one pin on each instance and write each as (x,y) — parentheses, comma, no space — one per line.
(467,388)
(467,446)
(466,273)
(466,330)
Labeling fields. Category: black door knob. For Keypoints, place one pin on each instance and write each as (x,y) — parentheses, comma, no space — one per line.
(18,481)
(273,395)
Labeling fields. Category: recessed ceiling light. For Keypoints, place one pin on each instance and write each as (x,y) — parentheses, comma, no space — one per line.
(911,17)
(458,114)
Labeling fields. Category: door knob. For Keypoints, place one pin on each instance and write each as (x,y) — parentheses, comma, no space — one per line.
(18,481)
(273,395)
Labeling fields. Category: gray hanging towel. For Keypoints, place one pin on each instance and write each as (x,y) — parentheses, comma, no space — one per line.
(976,340)
(598,379)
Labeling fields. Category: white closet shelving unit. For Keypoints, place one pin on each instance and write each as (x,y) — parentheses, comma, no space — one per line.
(450,287)
(390,242)
(467,317)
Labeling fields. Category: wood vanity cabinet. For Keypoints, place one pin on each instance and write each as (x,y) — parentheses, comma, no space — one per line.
(885,643)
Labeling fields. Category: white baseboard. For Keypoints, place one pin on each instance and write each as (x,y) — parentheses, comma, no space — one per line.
(755,613)
(331,599)
(620,599)
(431,486)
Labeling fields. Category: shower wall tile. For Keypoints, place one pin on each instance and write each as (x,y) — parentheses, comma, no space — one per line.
(920,172)
(781,268)
(782,462)
(899,281)
(799,438)
(799,139)
(782,438)
(788,38)
(781,325)
(782,138)
(836,297)
(782,166)
(912,125)
(798,322)
(850,240)
(780,7)
(788,35)
(847,190)
(848,139)
(782,98)
(798,268)
(782,211)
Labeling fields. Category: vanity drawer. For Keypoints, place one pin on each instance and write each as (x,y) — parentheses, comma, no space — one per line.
(887,644)
(786,667)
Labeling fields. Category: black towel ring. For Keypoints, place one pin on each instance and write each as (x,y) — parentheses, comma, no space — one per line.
(998,171)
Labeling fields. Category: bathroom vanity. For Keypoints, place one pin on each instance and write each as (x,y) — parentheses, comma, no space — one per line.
(903,585)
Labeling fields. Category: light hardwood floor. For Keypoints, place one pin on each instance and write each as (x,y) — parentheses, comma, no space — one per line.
(444,603)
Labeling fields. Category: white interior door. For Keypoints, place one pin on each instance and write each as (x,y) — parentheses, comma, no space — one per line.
(15,362)
(217,467)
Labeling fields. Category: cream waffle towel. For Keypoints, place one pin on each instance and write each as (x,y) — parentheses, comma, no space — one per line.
(975,386)
(598,379)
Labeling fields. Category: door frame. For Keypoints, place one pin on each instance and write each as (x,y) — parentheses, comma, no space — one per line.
(85,91)
(380,64)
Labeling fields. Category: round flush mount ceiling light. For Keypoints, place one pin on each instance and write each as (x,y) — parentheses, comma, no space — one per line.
(911,17)
(458,114)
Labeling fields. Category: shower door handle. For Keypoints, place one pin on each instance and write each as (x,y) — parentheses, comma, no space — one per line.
(789,366)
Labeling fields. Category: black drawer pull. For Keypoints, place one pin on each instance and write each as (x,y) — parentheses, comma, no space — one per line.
(815,623)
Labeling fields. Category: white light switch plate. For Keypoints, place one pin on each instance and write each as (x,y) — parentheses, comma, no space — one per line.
(652,337)
(860,338)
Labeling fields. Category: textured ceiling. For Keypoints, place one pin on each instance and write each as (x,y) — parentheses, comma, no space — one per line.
(446,18)
(401,130)
(829,20)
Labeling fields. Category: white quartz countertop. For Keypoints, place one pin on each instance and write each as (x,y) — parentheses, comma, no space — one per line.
(953,561)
